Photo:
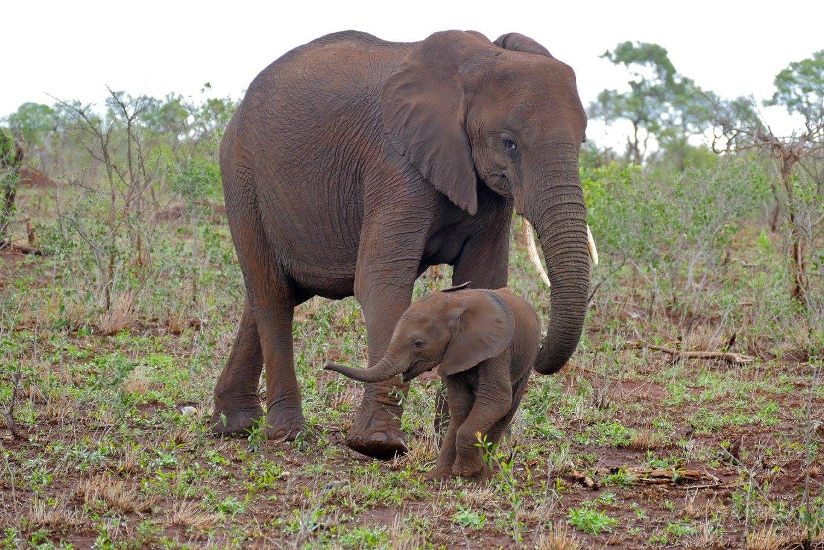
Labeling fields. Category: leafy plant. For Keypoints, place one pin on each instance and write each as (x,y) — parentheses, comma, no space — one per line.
(588,519)
(468,518)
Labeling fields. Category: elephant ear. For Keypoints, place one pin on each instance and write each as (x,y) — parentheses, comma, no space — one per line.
(457,287)
(483,326)
(424,111)
(516,41)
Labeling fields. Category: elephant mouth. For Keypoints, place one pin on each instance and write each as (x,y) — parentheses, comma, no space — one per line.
(418,369)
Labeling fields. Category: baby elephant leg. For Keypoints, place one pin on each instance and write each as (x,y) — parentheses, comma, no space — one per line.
(493,401)
(497,431)
(460,401)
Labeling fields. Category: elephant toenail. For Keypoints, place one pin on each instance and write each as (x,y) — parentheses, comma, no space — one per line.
(379,437)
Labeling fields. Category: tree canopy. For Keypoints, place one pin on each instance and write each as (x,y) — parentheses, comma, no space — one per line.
(800,88)
(661,103)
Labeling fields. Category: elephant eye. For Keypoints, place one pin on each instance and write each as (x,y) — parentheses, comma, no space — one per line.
(418,343)
(510,146)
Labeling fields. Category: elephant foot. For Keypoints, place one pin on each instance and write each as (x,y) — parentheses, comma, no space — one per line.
(284,423)
(437,474)
(476,471)
(376,431)
(234,420)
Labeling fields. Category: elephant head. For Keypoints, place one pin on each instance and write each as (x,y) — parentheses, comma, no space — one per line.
(454,328)
(461,109)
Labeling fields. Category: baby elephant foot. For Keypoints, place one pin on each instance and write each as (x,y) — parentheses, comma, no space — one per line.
(437,474)
(474,470)
(284,424)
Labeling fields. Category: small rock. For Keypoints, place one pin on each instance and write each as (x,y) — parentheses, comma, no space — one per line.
(188,410)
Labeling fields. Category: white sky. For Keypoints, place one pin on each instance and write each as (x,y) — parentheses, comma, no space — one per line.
(72,50)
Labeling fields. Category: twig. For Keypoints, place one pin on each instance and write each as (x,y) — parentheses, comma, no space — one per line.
(728,356)
(10,414)
(717,485)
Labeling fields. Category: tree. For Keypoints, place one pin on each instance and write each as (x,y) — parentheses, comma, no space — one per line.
(120,145)
(799,89)
(35,122)
(661,103)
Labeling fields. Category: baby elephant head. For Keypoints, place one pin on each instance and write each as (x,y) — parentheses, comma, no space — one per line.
(455,328)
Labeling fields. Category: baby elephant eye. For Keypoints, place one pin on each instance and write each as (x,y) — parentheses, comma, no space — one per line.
(418,343)
(510,145)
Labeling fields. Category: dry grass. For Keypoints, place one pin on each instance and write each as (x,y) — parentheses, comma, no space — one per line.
(138,381)
(129,463)
(55,517)
(187,514)
(558,538)
(483,497)
(421,451)
(401,537)
(113,493)
(176,322)
(121,314)
(767,538)
(644,440)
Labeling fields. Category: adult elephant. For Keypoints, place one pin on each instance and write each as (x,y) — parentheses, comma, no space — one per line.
(353,164)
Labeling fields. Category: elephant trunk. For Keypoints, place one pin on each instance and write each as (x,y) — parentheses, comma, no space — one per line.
(559,217)
(383,370)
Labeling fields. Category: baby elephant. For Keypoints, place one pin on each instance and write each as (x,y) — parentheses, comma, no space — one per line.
(485,342)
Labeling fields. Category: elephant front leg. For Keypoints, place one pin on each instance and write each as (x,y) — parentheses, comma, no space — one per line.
(460,400)
(387,268)
(376,429)
(493,400)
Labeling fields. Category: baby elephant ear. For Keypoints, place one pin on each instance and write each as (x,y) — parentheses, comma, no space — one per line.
(458,287)
(516,41)
(483,327)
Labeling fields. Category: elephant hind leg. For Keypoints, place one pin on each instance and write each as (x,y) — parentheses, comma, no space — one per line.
(501,428)
(236,401)
(274,305)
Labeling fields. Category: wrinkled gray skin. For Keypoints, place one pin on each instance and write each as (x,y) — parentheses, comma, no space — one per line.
(353,164)
(485,342)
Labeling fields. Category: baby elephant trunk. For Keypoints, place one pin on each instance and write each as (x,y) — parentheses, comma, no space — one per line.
(385,369)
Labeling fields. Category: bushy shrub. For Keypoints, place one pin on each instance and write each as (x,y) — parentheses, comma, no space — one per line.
(671,233)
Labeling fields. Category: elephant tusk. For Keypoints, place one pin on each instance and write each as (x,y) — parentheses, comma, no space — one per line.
(593,252)
(532,250)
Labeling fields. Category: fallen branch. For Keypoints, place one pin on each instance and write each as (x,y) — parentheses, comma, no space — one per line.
(22,249)
(583,479)
(660,476)
(728,356)
(711,486)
